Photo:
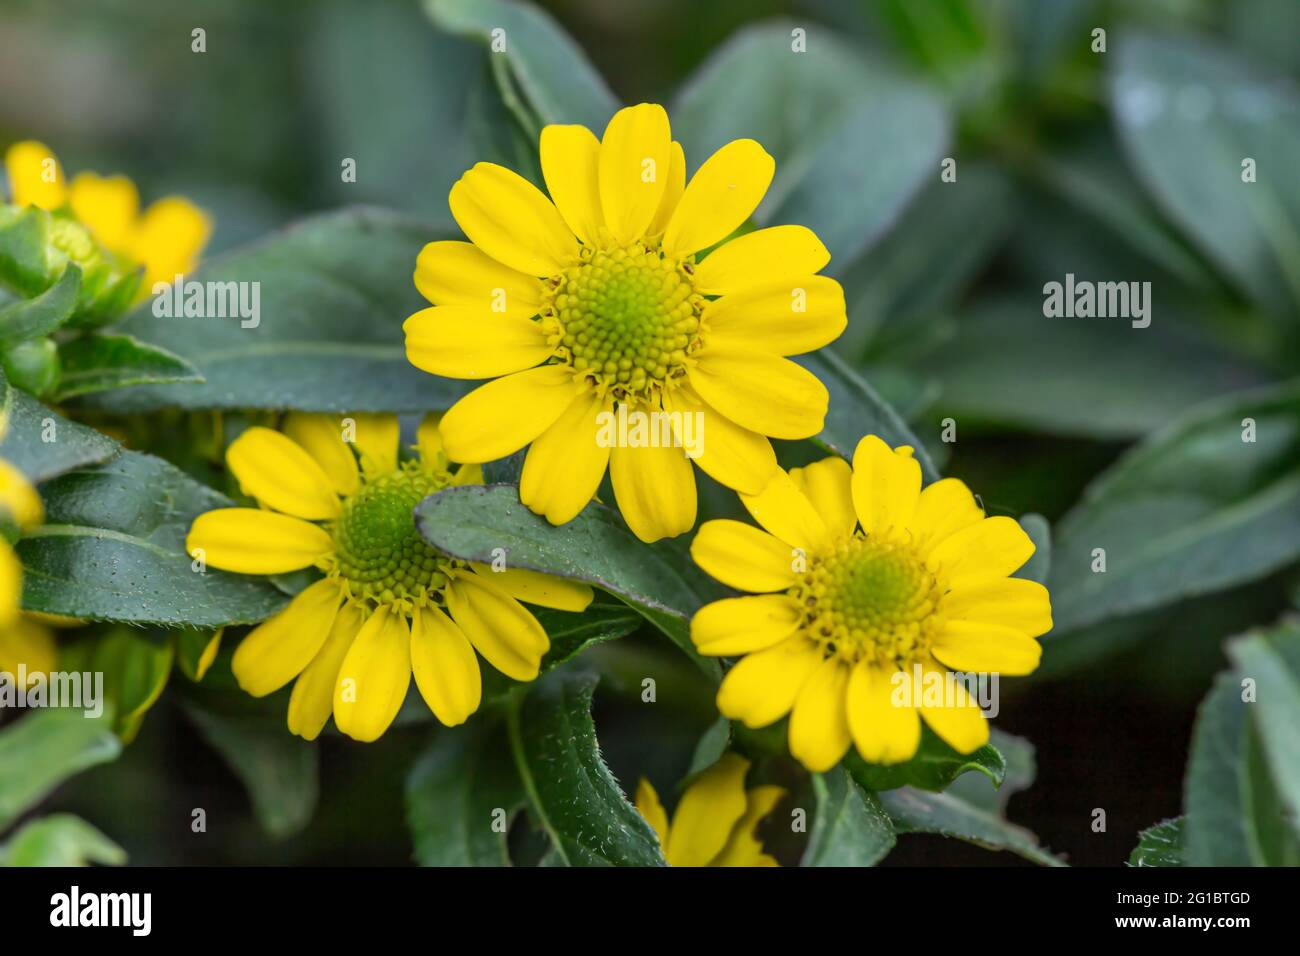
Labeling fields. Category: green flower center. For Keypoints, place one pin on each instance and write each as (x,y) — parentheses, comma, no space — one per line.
(73,240)
(872,600)
(380,554)
(628,317)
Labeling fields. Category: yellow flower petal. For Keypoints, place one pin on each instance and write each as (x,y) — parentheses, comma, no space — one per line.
(733,456)
(979,648)
(107,206)
(882,714)
(744,625)
(886,484)
(1022,605)
(35,176)
(713,804)
(634,168)
(785,316)
(760,391)
(761,258)
(280,474)
(990,549)
(508,218)
(18,499)
(648,805)
(944,508)
(655,489)
(312,700)
(276,651)
(449,272)
(565,464)
(11,584)
(786,512)
(534,587)
(744,557)
(253,541)
(673,190)
(744,848)
(819,724)
(428,439)
(762,687)
(24,643)
(499,627)
(374,677)
(570,166)
(959,722)
(168,239)
(720,196)
(459,341)
(321,436)
(446,670)
(499,418)
(376,438)
(828,485)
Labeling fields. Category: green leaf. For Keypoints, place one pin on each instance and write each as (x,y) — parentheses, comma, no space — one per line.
(97,363)
(934,767)
(196,649)
(43,315)
(334,291)
(571,794)
(45,748)
(831,174)
(554,80)
(1192,510)
(1160,845)
(60,840)
(1272,660)
(1039,565)
(1234,813)
(135,664)
(571,633)
(851,827)
(1010,366)
(461,795)
(471,522)
(1189,114)
(856,410)
(42,444)
(713,743)
(279,771)
(113,549)
(948,814)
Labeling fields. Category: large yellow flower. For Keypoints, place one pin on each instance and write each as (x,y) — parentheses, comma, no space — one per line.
(165,238)
(715,819)
(870,589)
(597,301)
(388,604)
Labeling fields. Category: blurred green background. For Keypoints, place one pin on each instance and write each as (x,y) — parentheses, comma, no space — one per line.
(945,313)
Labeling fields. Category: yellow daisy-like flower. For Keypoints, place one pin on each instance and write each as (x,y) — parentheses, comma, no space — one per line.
(166,238)
(596,303)
(870,589)
(389,605)
(715,820)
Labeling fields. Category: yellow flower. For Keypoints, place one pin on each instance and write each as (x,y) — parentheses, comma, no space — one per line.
(20,506)
(870,589)
(388,604)
(165,239)
(596,301)
(715,819)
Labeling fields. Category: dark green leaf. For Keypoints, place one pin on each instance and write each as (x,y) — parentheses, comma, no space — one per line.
(920,811)
(471,522)
(1192,510)
(97,363)
(42,444)
(571,793)
(461,795)
(43,315)
(113,548)
(135,664)
(1039,566)
(934,767)
(851,827)
(334,292)
(60,840)
(1160,845)
(45,748)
